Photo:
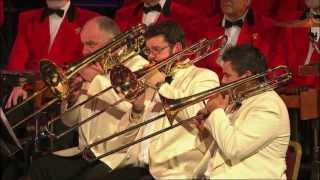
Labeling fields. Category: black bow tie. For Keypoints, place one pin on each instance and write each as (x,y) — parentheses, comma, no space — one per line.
(50,11)
(313,36)
(148,9)
(316,16)
(229,24)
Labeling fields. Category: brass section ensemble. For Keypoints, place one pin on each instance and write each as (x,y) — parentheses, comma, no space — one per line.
(269,80)
(122,77)
(131,85)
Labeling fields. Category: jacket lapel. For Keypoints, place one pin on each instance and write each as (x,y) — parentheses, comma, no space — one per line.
(245,34)
(43,34)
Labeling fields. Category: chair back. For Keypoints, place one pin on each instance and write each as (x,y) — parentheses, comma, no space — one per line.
(293,159)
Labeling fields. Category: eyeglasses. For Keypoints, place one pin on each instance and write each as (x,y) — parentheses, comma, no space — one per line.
(154,51)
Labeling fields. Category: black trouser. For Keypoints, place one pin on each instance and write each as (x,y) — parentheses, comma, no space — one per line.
(52,167)
(129,173)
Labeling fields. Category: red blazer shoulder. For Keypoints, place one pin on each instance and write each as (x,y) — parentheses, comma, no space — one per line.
(205,9)
(83,15)
(33,33)
(262,34)
(297,47)
(125,15)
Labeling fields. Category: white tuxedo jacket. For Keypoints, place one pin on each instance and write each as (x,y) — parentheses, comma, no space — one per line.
(175,153)
(106,123)
(250,143)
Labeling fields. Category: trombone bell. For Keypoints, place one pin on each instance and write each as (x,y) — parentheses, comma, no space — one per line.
(54,79)
(125,82)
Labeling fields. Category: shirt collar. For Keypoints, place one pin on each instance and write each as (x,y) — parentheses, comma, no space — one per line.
(165,5)
(161,2)
(248,17)
(69,11)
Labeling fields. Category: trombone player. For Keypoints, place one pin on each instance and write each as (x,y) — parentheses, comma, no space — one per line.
(68,163)
(249,140)
(173,154)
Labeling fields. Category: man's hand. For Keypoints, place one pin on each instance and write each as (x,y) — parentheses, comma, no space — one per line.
(75,87)
(16,93)
(217,101)
(155,77)
(199,124)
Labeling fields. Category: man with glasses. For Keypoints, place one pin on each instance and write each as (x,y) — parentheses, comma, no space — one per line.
(175,153)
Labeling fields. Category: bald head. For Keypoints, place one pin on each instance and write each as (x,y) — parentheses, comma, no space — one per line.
(97,32)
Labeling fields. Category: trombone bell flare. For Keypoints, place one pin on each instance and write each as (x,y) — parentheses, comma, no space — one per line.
(54,78)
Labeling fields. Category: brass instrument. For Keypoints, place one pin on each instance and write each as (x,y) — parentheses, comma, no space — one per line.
(259,83)
(57,80)
(131,85)
(119,73)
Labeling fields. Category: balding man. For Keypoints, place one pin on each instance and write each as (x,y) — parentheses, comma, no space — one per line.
(69,163)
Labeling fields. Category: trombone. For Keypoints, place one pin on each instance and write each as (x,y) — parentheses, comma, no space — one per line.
(131,83)
(58,81)
(261,82)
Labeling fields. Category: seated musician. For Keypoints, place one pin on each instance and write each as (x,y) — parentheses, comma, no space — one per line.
(69,163)
(50,32)
(249,140)
(173,154)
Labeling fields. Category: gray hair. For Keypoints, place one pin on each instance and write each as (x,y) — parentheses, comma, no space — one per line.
(108,25)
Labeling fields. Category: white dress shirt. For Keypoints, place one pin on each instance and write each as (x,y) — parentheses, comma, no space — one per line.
(313,44)
(152,16)
(144,145)
(55,23)
(232,33)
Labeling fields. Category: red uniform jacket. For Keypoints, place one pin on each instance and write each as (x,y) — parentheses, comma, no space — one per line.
(256,30)
(297,43)
(287,9)
(33,39)
(266,8)
(279,10)
(206,8)
(131,15)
